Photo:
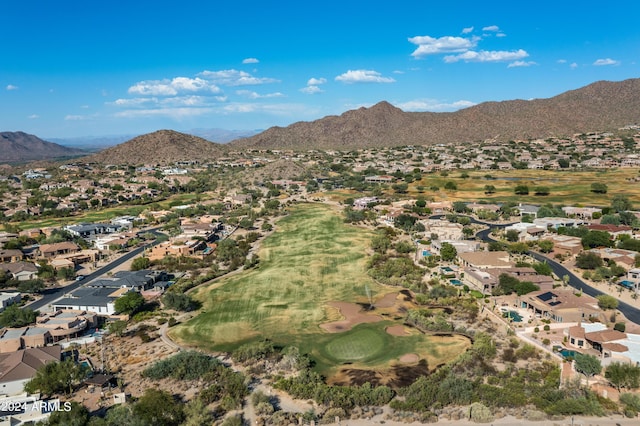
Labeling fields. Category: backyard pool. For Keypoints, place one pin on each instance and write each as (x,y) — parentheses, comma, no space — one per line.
(627,284)
(566,353)
(513,315)
(455,282)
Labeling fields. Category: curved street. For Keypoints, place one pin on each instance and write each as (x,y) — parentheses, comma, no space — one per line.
(630,312)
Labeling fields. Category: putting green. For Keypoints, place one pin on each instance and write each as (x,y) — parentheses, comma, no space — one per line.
(357,345)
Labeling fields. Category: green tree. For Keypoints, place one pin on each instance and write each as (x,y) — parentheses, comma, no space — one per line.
(459,207)
(599,188)
(448,252)
(588,365)
(521,190)
(623,375)
(130,303)
(140,263)
(543,268)
(178,301)
(620,203)
(76,415)
(512,235)
(55,377)
(13,316)
(595,239)
(588,260)
(607,302)
(541,190)
(545,246)
(197,414)
(117,327)
(451,186)
(159,408)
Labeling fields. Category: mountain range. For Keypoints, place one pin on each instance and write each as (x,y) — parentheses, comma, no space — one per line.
(21,147)
(601,106)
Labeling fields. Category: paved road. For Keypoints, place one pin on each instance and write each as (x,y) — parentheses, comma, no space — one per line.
(630,312)
(53,294)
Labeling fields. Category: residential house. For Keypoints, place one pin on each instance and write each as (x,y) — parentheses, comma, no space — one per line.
(478,207)
(527,210)
(8,298)
(564,244)
(364,202)
(561,305)
(21,271)
(379,179)
(558,222)
(99,300)
(49,251)
(17,368)
(10,255)
(486,260)
(581,212)
(624,258)
(614,230)
(609,345)
(443,229)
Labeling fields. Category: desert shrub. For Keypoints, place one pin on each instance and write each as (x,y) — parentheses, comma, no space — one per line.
(479,413)
(187,365)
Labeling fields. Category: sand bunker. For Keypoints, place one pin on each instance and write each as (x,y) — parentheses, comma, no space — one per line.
(409,358)
(353,315)
(387,301)
(397,330)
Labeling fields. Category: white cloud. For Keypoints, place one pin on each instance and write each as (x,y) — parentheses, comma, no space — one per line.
(311,90)
(254,95)
(501,35)
(487,56)
(172,87)
(76,117)
(467,30)
(11,87)
(250,61)
(33,116)
(280,110)
(133,102)
(316,81)
(363,76)
(493,28)
(398,72)
(433,105)
(521,64)
(235,78)
(175,113)
(429,45)
(573,65)
(175,101)
(561,61)
(607,61)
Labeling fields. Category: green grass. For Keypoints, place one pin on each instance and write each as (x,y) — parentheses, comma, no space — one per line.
(313,258)
(359,344)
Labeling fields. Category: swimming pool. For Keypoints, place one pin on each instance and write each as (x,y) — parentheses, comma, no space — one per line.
(627,284)
(566,353)
(513,315)
(455,282)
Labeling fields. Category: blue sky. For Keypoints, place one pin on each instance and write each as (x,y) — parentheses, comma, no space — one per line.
(78,68)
